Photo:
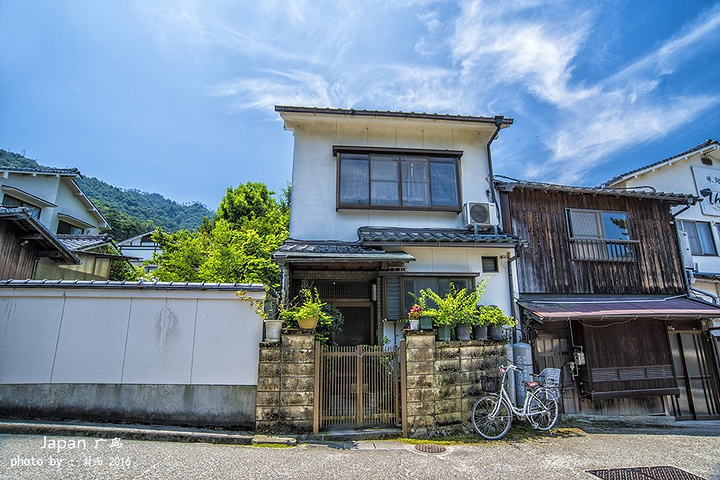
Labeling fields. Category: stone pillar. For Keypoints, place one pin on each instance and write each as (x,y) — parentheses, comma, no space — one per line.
(420,360)
(286,384)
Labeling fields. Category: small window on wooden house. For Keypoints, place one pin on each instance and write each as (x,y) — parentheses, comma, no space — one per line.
(600,236)
(489,264)
(700,237)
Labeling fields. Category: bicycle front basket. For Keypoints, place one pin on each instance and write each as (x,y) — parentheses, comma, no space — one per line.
(550,377)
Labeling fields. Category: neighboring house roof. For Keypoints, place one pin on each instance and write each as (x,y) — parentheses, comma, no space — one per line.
(139,285)
(433,236)
(708,145)
(296,250)
(513,184)
(84,242)
(36,232)
(554,308)
(505,122)
(128,241)
(73,172)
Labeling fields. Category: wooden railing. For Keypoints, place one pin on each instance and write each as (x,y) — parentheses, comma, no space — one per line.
(603,250)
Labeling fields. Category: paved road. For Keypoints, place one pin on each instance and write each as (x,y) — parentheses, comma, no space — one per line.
(565,456)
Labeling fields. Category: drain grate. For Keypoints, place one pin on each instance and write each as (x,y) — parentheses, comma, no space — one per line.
(430,448)
(644,473)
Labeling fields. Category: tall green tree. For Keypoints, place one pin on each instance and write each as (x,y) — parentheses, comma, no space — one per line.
(236,246)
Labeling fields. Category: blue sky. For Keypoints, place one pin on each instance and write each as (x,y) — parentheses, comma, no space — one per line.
(177,97)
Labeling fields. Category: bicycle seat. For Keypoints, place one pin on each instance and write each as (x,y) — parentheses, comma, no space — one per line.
(529,384)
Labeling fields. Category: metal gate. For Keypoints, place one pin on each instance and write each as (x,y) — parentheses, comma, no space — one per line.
(358,386)
(699,397)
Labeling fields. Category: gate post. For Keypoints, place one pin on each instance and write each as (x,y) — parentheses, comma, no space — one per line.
(317,405)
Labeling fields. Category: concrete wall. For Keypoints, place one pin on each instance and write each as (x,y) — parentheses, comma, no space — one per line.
(314,215)
(153,352)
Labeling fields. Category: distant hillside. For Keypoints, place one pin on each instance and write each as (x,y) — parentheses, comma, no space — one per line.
(130,212)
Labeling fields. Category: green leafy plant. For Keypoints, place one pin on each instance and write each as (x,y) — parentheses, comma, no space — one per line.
(492,316)
(457,307)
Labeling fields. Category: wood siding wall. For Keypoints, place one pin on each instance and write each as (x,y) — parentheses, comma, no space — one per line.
(15,261)
(545,266)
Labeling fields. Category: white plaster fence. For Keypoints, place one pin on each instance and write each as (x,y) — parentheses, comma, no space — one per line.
(108,333)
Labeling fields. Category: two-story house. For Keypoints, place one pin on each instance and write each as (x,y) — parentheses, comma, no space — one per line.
(387,203)
(142,248)
(48,202)
(601,285)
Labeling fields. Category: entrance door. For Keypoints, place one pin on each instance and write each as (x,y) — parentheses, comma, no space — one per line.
(699,398)
(358,325)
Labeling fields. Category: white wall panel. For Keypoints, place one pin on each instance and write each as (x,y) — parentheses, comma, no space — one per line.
(28,337)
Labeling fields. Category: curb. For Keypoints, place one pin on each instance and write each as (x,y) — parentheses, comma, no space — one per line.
(135,432)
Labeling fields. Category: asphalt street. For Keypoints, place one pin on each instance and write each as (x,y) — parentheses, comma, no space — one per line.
(566,455)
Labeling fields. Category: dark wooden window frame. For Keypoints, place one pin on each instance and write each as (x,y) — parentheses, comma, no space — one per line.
(455,155)
(471,276)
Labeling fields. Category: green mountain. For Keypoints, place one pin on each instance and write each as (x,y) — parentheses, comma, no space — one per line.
(129,212)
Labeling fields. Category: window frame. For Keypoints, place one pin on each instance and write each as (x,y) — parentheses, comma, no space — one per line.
(452,155)
(471,277)
(72,226)
(683,222)
(585,247)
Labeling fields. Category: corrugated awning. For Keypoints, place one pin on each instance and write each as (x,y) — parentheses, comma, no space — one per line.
(620,307)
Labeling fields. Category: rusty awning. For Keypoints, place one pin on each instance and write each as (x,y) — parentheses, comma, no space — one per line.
(543,309)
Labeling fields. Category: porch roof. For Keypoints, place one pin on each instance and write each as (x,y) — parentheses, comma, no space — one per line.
(331,252)
(597,307)
(434,237)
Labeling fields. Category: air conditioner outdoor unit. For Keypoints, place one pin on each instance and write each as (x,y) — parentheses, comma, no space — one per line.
(480,214)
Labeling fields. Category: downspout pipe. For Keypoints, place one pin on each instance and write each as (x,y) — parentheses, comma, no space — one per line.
(498,125)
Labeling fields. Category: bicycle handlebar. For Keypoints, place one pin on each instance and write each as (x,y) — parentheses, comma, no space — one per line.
(510,366)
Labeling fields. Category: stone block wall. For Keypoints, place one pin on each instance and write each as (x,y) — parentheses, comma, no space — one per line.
(445,378)
(286,384)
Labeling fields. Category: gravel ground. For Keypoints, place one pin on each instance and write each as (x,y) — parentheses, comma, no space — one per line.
(566,455)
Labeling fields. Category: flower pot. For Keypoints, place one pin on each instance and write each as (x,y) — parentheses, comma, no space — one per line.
(414,324)
(444,333)
(480,332)
(307,323)
(496,332)
(462,333)
(426,323)
(272,330)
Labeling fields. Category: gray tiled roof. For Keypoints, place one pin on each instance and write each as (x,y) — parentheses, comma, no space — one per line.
(49,170)
(385,235)
(125,285)
(77,243)
(296,246)
(701,146)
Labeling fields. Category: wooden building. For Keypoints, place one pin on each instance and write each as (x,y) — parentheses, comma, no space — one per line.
(602,291)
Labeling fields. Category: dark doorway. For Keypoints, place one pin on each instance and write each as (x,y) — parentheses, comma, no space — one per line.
(692,361)
(358,327)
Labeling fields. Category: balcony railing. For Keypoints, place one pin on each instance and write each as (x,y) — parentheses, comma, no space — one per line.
(603,250)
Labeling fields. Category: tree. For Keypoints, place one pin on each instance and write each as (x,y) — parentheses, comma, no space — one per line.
(235,246)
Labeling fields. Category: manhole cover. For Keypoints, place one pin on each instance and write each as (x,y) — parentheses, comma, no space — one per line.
(644,473)
(429,448)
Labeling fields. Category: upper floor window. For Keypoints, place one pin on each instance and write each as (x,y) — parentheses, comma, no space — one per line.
(68,229)
(597,235)
(700,237)
(383,179)
(10,201)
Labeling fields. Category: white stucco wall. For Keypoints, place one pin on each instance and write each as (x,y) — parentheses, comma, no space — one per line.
(102,336)
(69,204)
(678,178)
(314,215)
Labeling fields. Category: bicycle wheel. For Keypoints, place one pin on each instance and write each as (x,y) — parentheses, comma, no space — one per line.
(542,410)
(489,426)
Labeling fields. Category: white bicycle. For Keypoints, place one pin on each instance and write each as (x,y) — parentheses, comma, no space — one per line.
(492,413)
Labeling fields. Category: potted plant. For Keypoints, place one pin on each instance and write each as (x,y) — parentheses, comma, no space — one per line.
(479,325)
(269,309)
(311,310)
(492,316)
(456,309)
(414,316)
